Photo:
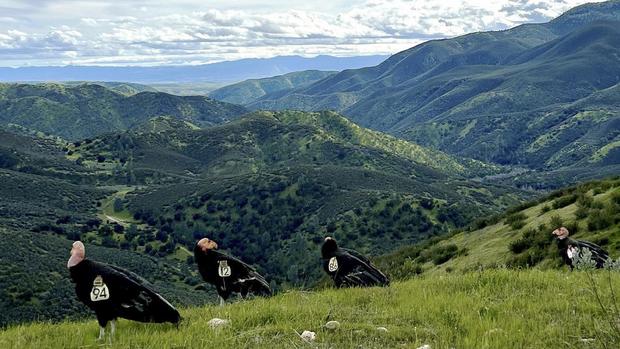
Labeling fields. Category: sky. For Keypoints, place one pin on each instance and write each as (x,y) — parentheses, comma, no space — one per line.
(174,32)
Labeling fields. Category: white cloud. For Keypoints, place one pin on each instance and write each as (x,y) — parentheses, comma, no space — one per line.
(188,31)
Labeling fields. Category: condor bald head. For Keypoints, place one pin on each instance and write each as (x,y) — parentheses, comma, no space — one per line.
(329,247)
(560,233)
(78,253)
(206,244)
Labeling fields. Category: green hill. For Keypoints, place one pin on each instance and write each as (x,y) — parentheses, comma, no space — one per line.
(489,309)
(124,88)
(248,91)
(537,95)
(265,140)
(521,237)
(88,110)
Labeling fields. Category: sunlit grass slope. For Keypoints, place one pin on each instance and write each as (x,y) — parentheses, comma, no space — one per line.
(489,309)
(520,237)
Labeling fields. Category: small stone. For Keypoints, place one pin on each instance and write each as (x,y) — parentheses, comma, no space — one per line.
(308,336)
(425,346)
(332,325)
(382,329)
(493,330)
(218,323)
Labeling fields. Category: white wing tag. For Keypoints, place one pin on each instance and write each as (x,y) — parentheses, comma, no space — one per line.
(333,265)
(572,252)
(223,270)
(100,291)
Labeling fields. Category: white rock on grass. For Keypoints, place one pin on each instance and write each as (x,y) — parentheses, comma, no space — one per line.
(308,336)
(382,329)
(425,346)
(218,323)
(332,325)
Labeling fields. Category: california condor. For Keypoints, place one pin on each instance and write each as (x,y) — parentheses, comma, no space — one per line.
(569,248)
(228,274)
(349,268)
(113,292)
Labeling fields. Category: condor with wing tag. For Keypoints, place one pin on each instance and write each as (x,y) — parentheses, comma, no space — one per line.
(228,274)
(349,268)
(113,292)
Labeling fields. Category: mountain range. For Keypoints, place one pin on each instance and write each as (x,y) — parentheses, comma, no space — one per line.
(541,96)
(228,71)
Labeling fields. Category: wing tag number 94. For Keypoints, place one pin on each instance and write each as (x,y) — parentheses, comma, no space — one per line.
(100,291)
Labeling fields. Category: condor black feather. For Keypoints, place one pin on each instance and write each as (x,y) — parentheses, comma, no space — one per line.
(228,274)
(349,268)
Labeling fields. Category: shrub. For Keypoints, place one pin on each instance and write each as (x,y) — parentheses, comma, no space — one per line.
(545,209)
(581,213)
(600,219)
(564,201)
(519,246)
(516,220)
(584,201)
(427,203)
(573,227)
(118,205)
(556,221)
(442,254)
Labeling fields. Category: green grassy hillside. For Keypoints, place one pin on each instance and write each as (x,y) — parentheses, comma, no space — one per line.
(490,309)
(520,237)
(89,110)
(267,140)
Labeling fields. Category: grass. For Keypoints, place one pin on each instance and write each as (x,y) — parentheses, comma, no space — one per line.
(490,309)
(123,217)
